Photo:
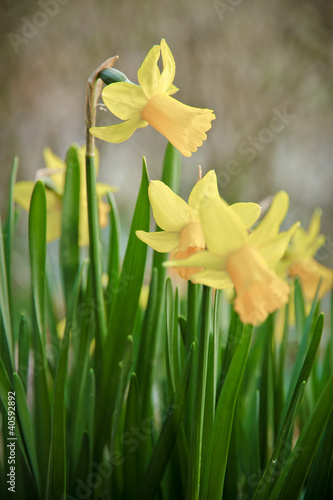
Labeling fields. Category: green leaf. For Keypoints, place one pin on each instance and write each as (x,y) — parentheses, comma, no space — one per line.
(26,427)
(24,345)
(132,454)
(290,482)
(165,443)
(123,313)
(214,469)
(69,246)
(6,334)
(322,466)
(37,247)
(113,264)
(193,483)
(95,260)
(9,228)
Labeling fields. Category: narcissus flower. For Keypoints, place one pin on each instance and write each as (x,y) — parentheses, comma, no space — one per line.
(298,260)
(53,177)
(182,233)
(151,103)
(245,261)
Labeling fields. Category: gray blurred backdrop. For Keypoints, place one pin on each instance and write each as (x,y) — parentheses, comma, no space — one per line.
(264,66)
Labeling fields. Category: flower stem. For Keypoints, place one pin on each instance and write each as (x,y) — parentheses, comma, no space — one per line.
(94,87)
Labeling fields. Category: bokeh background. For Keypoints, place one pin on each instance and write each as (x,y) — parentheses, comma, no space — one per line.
(249,60)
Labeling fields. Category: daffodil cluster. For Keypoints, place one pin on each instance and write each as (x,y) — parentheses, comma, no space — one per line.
(212,243)
(53,177)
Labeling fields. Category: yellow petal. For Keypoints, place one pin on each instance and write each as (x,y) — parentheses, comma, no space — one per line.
(274,249)
(53,225)
(259,290)
(169,68)
(215,279)
(119,132)
(184,126)
(54,164)
(203,259)
(192,236)
(204,189)
(171,212)
(271,222)
(22,193)
(161,241)
(52,161)
(125,100)
(247,212)
(171,90)
(223,229)
(53,201)
(103,213)
(83,226)
(103,189)
(310,273)
(149,73)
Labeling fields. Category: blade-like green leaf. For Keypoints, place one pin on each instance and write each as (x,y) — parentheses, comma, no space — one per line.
(6,334)
(123,314)
(132,453)
(26,426)
(164,445)
(290,482)
(24,345)
(42,405)
(214,469)
(69,246)
(193,483)
(113,264)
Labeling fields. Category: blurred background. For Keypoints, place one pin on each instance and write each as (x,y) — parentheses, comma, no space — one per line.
(264,67)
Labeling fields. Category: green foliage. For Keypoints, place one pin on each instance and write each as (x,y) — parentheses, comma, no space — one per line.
(166,400)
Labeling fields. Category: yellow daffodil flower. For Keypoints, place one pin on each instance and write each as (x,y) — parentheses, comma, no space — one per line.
(53,177)
(245,261)
(298,260)
(182,233)
(151,103)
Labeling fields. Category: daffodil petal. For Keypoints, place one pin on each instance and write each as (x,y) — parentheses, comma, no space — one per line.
(169,68)
(274,248)
(124,99)
(203,259)
(224,231)
(214,279)
(149,73)
(171,90)
(204,189)
(119,132)
(271,222)
(247,212)
(52,161)
(171,212)
(53,225)
(22,193)
(103,189)
(161,241)
(83,226)
(184,126)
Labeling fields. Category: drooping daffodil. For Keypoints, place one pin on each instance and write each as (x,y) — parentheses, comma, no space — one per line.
(151,103)
(182,233)
(246,261)
(53,177)
(298,260)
